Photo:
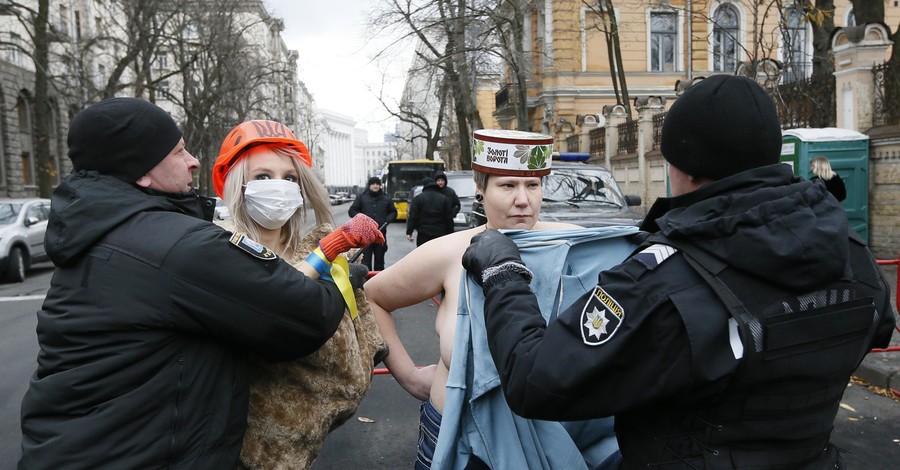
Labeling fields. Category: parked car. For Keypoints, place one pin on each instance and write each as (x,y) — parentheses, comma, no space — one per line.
(464,185)
(222,212)
(344,196)
(23,223)
(582,194)
(336,199)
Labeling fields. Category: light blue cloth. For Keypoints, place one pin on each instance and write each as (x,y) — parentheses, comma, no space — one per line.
(476,418)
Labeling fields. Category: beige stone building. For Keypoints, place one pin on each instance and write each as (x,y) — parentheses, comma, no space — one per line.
(663,42)
(571,93)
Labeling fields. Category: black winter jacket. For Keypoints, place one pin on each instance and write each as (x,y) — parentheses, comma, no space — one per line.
(430,213)
(146,329)
(653,345)
(378,206)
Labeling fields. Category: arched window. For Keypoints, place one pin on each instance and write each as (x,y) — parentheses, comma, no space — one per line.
(725,38)
(795,50)
(851,18)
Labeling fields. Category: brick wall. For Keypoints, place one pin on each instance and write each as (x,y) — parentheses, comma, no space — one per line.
(884,192)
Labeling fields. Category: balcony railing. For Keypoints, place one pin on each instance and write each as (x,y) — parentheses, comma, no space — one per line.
(628,132)
(598,142)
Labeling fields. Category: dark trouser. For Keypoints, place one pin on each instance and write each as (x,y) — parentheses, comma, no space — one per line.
(376,251)
(429,426)
(422,238)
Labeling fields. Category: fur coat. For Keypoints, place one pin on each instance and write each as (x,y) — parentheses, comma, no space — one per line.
(295,404)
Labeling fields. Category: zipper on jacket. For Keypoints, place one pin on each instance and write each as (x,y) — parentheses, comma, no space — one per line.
(174,452)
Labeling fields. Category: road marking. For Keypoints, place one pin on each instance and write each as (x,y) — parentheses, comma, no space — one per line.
(22,297)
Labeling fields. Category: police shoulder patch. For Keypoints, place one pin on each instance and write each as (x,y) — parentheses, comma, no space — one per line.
(257,250)
(601,318)
(654,255)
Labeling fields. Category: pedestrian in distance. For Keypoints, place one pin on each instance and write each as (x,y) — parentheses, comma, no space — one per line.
(441,179)
(821,170)
(152,309)
(375,203)
(512,195)
(728,339)
(430,214)
(264,174)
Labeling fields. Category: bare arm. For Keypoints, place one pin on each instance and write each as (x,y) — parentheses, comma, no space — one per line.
(415,278)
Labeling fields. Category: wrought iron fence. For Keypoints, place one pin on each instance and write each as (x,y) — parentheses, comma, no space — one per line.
(806,103)
(598,142)
(628,132)
(572,143)
(887,94)
(658,120)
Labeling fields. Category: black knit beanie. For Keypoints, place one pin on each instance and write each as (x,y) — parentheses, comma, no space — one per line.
(121,137)
(374,180)
(721,126)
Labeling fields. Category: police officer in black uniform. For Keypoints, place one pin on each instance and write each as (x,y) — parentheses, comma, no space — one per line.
(728,339)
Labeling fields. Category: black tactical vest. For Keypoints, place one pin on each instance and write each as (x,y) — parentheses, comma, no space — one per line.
(799,350)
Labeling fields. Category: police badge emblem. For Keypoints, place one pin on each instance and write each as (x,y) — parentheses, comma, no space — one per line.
(601,318)
(257,250)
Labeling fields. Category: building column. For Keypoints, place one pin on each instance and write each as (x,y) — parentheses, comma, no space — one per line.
(856,51)
(614,115)
(647,107)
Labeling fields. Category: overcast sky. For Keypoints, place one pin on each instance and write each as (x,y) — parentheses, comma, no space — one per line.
(334,58)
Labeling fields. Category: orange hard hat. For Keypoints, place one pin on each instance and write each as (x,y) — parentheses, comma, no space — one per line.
(250,133)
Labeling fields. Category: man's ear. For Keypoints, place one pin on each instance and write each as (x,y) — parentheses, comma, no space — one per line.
(143,181)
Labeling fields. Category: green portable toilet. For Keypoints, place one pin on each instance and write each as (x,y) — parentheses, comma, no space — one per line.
(848,153)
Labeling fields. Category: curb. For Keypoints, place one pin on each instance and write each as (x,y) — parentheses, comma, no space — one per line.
(883,369)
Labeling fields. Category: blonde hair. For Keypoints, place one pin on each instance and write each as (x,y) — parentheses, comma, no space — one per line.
(314,195)
(821,168)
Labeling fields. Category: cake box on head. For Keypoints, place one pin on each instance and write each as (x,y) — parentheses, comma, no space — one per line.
(511,153)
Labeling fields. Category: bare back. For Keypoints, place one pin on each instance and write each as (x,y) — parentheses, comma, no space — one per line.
(427,271)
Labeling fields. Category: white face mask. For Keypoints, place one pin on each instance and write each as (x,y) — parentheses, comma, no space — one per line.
(271,203)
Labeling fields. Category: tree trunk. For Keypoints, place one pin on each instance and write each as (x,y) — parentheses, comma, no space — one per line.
(868,11)
(42,108)
(617,48)
(518,63)
(822,63)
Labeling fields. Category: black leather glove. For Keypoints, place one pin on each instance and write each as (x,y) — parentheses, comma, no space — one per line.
(492,255)
(359,274)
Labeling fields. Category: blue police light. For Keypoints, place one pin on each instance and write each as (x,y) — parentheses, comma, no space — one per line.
(574,156)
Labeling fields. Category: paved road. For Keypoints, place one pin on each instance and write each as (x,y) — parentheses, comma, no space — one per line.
(867,427)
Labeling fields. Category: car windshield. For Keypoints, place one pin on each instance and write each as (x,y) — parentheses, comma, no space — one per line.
(464,186)
(583,185)
(9,212)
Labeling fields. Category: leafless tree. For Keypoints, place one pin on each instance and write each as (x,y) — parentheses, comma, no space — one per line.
(223,77)
(440,27)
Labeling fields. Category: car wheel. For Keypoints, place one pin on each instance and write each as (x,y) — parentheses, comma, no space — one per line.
(15,272)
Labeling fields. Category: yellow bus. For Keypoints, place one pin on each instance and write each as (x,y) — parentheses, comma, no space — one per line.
(400,176)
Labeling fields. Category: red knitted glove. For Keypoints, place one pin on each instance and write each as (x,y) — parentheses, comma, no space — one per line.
(358,232)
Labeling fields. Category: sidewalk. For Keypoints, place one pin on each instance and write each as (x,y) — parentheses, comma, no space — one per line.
(883,369)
